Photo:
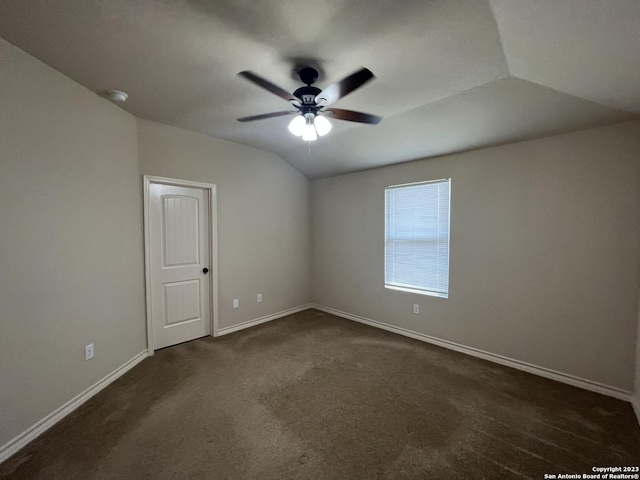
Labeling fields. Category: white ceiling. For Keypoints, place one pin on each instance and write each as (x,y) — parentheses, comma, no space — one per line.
(451,75)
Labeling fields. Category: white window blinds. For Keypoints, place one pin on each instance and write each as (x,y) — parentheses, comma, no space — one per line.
(417,237)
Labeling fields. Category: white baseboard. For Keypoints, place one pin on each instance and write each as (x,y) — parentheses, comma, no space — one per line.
(258,321)
(492,357)
(54,417)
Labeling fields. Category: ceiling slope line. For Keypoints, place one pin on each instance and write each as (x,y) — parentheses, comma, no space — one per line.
(499,30)
(599,104)
(399,114)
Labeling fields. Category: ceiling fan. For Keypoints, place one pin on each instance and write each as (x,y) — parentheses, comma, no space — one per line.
(311,102)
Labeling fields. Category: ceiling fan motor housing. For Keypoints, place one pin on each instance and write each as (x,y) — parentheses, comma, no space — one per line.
(307,95)
(308,75)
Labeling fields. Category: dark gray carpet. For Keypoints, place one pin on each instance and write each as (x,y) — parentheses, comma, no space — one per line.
(312,396)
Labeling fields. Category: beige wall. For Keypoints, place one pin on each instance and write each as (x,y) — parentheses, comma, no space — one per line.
(263,217)
(71,249)
(544,242)
(545,250)
(636,399)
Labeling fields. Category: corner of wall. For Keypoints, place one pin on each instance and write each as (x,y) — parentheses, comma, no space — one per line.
(635,400)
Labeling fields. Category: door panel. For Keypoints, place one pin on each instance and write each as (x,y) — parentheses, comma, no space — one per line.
(179,250)
(180,230)
(181,302)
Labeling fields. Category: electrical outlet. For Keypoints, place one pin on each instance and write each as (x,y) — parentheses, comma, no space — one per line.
(236,303)
(88,351)
(416,308)
(259,297)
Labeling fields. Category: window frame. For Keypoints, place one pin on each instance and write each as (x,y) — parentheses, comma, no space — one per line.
(415,289)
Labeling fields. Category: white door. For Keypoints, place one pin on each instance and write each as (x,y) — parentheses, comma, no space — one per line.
(179,263)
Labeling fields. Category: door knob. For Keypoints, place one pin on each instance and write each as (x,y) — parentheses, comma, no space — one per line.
(205,270)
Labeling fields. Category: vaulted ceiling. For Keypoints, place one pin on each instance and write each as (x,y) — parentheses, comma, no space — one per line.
(451,75)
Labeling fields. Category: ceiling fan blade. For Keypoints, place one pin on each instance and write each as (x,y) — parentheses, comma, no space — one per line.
(267,85)
(268,115)
(351,116)
(344,87)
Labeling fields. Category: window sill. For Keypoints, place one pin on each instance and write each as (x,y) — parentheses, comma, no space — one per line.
(416,291)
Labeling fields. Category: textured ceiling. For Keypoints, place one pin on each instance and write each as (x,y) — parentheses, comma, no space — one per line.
(451,75)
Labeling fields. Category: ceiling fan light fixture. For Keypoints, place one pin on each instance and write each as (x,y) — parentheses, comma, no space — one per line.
(323,126)
(310,134)
(297,125)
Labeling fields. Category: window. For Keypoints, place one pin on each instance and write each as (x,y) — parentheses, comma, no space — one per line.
(417,237)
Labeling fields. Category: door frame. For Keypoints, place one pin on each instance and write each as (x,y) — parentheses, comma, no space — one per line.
(213,250)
